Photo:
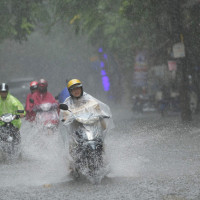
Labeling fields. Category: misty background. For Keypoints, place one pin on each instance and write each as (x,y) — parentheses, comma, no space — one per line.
(58,56)
(151,156)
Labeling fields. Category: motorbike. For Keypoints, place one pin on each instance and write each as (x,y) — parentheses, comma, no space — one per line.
(143,104)
(86,146)
(10,138)
(47,116)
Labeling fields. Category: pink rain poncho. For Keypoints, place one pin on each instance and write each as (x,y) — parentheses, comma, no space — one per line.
(40,98)
(30,115)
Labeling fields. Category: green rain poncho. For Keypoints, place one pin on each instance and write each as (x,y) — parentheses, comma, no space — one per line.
(11,105)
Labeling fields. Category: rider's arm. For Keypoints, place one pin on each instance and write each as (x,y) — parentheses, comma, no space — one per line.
(102,121)
(29,103)
(18,106)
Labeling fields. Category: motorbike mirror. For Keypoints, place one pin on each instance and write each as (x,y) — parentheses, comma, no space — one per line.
(31,100)
(20,111)
(63,106)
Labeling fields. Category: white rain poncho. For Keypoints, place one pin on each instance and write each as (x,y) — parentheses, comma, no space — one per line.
(88,104)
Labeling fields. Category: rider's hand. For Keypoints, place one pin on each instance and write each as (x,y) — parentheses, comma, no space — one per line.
(22,115)
(64,119)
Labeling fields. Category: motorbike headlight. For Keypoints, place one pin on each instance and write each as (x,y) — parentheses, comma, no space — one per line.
(7,118)
(45,106)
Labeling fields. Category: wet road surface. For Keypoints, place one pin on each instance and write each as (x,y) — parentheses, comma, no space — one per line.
(150,158)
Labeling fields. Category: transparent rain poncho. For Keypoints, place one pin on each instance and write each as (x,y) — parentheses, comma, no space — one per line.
(88,104)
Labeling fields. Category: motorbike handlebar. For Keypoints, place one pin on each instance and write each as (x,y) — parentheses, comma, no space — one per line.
(17,116)
(105,117)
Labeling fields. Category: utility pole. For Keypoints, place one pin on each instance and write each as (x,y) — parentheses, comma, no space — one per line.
(182,62)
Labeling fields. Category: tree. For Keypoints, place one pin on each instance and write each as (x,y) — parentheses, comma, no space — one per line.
(18,19)
(124,27)
(120,27)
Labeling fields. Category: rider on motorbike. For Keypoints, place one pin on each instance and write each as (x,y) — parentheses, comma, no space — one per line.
(41,97)
(10,104)
(30,116)
(80,102)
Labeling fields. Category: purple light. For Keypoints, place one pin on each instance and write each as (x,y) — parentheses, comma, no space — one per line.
(102,64)
(103,73)
(105,78)
(106,83)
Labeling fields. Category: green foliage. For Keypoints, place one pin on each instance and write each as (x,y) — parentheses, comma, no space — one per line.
(26,26)
(120,26)
(17,18)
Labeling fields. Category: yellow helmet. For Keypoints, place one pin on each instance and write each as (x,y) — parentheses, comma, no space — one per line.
(74,82)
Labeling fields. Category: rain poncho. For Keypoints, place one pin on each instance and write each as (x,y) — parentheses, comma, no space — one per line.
(11,105)
(88,104)
(39,99)
(30,115)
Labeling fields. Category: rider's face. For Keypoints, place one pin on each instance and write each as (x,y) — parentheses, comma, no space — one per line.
(33,90)
(3,95)
(76,92)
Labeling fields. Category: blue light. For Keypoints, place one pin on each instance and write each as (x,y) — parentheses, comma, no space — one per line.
(103,73)
(106,83)
(102,64)
(104,77)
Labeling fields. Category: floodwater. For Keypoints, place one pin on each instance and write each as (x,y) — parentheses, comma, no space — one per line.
(150,158)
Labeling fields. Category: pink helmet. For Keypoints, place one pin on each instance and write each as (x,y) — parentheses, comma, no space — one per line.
(33,85)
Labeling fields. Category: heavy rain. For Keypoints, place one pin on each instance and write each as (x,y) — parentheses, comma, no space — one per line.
(140,58)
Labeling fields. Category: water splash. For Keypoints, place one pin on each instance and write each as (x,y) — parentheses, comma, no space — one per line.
(43,160)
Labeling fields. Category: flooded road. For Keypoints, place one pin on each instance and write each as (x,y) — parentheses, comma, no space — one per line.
(150,158)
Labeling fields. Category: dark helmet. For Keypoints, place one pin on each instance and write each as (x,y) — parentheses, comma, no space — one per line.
(74,83)
(42,85)
(33,85)
(4,87)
